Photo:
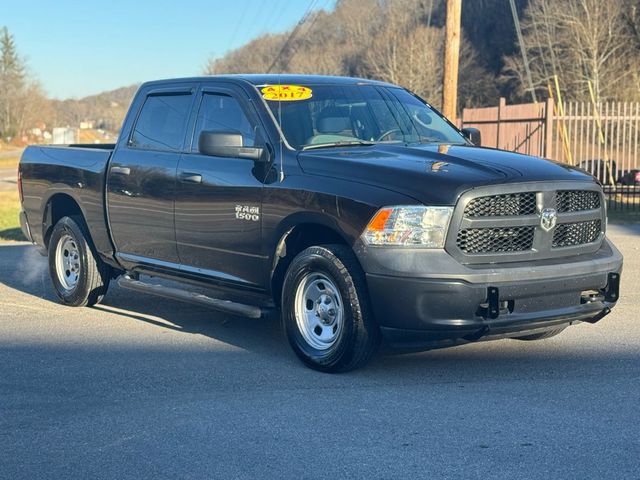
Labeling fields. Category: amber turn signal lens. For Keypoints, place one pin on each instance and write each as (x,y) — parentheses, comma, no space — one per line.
(378,222)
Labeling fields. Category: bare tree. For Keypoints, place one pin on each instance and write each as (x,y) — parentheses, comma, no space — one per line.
(256,56)
(580,41)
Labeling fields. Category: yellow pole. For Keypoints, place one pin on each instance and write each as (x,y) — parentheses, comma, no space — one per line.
(601,138)
(559,111)
(565,136)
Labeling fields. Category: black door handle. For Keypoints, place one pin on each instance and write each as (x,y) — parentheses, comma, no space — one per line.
(191,177)
(121,170)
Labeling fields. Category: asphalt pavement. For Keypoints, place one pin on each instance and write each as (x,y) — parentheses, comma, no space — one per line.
(142,388)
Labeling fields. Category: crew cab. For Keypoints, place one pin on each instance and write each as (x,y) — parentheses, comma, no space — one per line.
(350,206)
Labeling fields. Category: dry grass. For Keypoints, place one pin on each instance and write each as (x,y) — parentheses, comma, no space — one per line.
(9,220)
(10,162)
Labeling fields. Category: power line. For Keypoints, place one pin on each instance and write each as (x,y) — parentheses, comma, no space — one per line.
(292,35)
(238,23)
(523,50)
(309,29)
(273,14)
(253,25)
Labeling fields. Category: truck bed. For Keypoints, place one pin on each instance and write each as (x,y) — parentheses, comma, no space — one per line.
(75,171)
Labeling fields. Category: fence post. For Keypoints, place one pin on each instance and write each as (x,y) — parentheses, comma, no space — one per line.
(501,105)
(548,128)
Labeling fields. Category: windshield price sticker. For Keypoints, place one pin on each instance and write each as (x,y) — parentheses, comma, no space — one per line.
(286,93)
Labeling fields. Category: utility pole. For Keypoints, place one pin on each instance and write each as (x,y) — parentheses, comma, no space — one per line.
(451,60)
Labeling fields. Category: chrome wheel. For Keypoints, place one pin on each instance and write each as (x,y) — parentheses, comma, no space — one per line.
(319,311)
(67,262)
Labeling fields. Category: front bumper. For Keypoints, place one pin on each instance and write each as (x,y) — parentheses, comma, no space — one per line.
(428,299)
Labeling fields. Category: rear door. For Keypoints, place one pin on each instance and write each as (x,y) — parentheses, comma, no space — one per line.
(218,210)
(142,177)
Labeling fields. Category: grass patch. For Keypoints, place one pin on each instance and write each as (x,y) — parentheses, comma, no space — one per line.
(9,217)
(10,162)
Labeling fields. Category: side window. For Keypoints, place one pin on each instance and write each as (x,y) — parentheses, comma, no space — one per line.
(162,122)
(222,113)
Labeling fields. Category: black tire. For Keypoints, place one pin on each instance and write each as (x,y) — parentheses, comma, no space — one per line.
(543,335)
(358,337)
(93,275)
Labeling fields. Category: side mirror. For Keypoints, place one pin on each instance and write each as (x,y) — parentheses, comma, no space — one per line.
(472,134)
(228,144)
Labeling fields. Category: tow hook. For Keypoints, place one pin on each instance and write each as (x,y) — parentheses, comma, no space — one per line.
(493,307)
(612,290)
(493,299)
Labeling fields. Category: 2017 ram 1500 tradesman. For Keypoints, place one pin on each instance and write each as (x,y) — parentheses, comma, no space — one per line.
(351,205)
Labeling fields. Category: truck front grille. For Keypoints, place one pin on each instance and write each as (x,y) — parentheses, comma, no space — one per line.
(505,223)
(502,205)
(578,233)
(495,240)
(577,200)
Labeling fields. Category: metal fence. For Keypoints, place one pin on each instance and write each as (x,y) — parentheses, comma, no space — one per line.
(602,138)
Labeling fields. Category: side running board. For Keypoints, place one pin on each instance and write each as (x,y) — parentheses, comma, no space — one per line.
(227,306)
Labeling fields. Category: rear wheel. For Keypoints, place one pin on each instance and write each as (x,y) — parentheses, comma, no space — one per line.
(325,310)
(78,275)
(543,335)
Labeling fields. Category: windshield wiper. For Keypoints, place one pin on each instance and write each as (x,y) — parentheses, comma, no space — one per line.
(342,143)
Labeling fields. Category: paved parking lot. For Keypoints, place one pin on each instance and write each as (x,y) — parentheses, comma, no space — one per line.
(146,388)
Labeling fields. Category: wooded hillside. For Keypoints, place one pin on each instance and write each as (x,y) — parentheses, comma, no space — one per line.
(582,42)
(401,41)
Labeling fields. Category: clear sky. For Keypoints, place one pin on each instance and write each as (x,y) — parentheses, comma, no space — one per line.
(78,48)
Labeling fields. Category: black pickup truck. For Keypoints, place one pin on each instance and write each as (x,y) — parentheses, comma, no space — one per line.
(350,205)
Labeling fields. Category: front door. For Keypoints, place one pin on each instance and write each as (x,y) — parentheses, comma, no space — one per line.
(218,210)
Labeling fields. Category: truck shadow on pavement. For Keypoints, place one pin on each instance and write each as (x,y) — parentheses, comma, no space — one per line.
(265,340)
(31,277)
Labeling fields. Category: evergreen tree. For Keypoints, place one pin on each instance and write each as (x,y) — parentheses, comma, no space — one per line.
(12,83)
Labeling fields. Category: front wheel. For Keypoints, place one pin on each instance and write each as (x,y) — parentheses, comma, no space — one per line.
(78,275)
(325,310)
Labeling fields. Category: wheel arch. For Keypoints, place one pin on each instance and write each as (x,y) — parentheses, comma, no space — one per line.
(297,237)
(57,206)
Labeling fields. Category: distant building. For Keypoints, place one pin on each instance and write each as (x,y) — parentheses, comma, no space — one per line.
(86,125)
(65,135)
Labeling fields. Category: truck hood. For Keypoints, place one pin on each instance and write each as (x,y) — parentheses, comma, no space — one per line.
(433,174)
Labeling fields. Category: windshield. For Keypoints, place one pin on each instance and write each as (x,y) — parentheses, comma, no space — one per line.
(316,116)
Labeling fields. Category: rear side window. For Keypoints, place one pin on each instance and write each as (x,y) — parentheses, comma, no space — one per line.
(222,113)
(162,122)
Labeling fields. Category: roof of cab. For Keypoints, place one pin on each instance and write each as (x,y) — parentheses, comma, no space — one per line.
(275,79)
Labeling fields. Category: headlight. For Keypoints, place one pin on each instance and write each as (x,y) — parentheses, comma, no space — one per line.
(410,226)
